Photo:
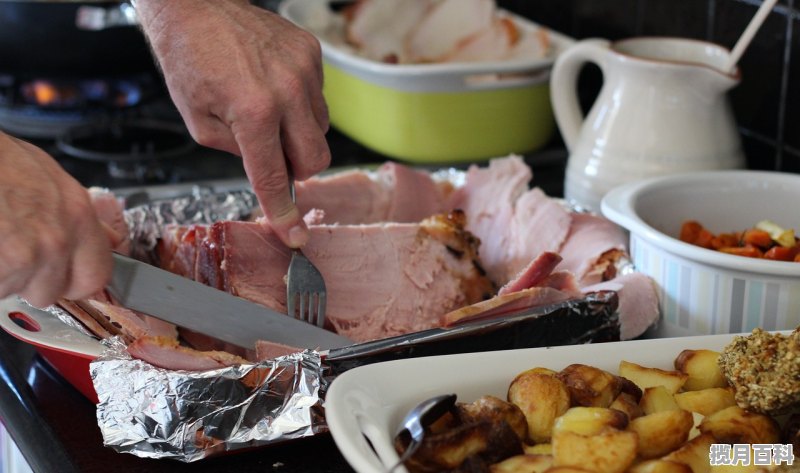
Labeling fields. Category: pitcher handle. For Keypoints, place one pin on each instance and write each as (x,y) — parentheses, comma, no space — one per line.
(564,82)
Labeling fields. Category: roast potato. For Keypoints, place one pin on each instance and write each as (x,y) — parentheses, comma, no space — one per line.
(590,386)
(694,453)
(660,466)
(590,420)
(706,401)
(736,425)
(541,398)
(523,464)
(661,432)
(658,399)
(610,452)
(627,403)
(702,369)
(649,377)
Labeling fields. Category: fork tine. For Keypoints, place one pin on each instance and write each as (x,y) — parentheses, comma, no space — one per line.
(321,309)
(303,303)
(290,305)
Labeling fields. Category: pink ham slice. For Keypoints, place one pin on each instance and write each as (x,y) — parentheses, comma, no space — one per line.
(266,350)
(167,353)
(382,280)
(590,237)
(533,274)
(497,197)
(394,193)
(638,302)
(499,306)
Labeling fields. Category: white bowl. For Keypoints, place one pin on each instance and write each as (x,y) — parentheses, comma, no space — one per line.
(704,291)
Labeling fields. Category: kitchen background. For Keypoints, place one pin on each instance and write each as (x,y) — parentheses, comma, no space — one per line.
(767,101)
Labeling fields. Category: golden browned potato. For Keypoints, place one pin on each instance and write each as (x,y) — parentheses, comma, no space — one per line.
(589,386)
(627,403)
(706,401)
(567,469)
(489,441)
(659,466)
(657,399)
(661,432)
(694,454)
(523,464)
(610,452)
(590,420)
(736,425)
(649,377)
(538,449)
(541,398)
(702,369)
(492,409)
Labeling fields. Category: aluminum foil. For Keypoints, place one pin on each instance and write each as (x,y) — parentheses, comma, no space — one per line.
(187,416)
(204,205)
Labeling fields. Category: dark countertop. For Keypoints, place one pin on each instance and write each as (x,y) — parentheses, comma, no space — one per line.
(54,426)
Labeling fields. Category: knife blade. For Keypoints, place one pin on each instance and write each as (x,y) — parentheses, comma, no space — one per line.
(195,306)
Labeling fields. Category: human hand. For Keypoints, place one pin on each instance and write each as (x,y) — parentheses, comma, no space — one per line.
(248,82)
(52,244)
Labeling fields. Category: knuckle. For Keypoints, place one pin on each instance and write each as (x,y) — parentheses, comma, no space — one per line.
(271,183)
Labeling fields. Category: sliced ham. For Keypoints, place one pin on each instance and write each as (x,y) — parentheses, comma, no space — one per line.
(590,237)
(130,323)
(445,26)
(393,193)
(168,353)
(638,302)
(504,305)
(539,269)
(514,223)
(266,350)
(382,279)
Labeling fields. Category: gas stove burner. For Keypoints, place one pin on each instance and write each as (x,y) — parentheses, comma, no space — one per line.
(37,123)
(134,150)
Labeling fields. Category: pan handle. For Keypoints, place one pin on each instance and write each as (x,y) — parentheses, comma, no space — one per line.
(43,329)
(94,18)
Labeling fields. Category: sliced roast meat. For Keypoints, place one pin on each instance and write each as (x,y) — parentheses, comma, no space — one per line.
(202,342)
(491,43)
(91,323)
(266,350)
(638,302)
(445,26)
(379,27)
(539,269)
(393,193)
(590,238)
(514,223)
(168,353)
(382,279)
(504,305)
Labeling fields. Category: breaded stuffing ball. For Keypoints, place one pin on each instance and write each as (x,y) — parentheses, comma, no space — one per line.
(764,369)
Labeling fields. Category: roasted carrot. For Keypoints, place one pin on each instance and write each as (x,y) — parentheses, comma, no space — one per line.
(749,251)
(725,240)
(690,231)
(758,238)
(780,253)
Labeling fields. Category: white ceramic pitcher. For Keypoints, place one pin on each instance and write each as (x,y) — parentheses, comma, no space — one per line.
(663,109)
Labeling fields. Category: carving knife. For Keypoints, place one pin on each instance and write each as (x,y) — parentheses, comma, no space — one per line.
(195,306)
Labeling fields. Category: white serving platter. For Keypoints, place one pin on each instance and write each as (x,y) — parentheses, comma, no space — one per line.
(369,402)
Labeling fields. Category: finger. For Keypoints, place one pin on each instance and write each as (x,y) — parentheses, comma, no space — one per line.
(320,108)
(303,141)
(208,130)
(90,264)
(48,282)
(114,238)
(265,165)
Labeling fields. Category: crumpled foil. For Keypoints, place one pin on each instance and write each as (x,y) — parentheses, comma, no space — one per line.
(204,205)
(187,416)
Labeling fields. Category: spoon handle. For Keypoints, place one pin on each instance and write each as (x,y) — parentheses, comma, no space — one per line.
(749,33)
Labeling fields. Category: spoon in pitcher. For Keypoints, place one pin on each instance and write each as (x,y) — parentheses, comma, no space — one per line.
(421,416)
(748,34)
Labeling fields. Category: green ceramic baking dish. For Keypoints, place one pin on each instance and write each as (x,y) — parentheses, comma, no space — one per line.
(433,113)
